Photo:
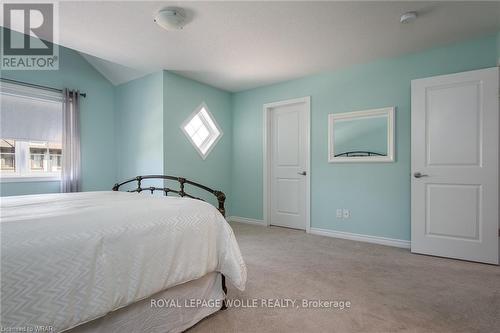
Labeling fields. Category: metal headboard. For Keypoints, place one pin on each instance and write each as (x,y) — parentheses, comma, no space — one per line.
(221,197)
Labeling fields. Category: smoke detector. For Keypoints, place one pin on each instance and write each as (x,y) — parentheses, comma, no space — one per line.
(408,17)
(171,18)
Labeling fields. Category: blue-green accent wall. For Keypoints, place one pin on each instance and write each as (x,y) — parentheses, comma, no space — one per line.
(139,127)
(24,188)
(498,48)
(149,114)
(378,195)
(97,122)
(181,97)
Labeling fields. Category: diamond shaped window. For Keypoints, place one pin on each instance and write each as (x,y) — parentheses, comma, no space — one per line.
(202,130)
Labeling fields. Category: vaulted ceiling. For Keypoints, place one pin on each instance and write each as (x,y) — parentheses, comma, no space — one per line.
(241,45)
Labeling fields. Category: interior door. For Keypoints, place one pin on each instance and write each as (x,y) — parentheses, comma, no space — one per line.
(289,153)
(454,182)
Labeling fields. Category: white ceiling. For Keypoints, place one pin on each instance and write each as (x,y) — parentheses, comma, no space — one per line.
(241,45)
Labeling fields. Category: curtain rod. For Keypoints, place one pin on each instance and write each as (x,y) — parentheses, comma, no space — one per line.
(84,95)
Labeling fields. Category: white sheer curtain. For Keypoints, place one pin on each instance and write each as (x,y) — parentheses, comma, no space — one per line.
(71,164)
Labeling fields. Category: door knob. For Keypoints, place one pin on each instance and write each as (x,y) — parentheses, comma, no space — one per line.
(303,173)
(419,175)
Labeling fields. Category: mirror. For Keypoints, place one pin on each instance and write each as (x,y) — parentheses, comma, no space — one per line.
(361,136)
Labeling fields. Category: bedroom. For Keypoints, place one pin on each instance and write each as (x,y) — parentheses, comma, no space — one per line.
(359,196)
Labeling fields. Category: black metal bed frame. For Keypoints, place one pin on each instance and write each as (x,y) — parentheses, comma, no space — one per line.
(221,198)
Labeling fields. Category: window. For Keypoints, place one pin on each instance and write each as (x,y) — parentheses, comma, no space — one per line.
(7,156)
(202,130)
(31,128)
(45,157)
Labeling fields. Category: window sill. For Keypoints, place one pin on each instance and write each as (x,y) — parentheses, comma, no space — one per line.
(29,179)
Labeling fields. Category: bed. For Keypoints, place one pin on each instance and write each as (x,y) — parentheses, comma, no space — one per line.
(101,261)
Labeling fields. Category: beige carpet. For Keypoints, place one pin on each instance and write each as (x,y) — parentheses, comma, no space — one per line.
(391,290)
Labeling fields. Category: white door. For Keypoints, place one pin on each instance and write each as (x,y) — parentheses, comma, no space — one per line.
(454,180)
(289,154)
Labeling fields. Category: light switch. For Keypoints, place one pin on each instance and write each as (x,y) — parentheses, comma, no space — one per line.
(339,213)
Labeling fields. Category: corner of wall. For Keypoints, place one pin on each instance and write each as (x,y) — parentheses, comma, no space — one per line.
(498,48)
(139,116)
(164,76)
(230,205)
(181,95)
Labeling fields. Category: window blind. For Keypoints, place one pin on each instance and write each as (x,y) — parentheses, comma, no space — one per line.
(30,114)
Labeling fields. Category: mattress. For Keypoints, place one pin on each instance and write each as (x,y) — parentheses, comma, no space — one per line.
(69,258)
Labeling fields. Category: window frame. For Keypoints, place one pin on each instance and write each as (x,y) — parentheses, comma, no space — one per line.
(14,157)
(210,139)
(22,149)
(23,171)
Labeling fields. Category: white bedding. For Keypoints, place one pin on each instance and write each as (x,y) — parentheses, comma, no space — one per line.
(141,317)
(70,258)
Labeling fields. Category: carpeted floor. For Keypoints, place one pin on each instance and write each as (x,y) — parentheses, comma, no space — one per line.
(390,289)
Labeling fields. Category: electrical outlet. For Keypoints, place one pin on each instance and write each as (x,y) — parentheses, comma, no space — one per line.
(339,213)
(346,213)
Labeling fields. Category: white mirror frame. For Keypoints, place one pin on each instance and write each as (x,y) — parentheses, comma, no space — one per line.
(389,112)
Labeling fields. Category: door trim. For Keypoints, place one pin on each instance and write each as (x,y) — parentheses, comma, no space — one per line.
(267,160)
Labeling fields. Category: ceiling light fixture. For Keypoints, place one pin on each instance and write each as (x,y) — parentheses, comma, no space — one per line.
(408,17)
(170,18)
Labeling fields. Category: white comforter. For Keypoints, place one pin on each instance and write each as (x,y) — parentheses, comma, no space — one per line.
(70,258)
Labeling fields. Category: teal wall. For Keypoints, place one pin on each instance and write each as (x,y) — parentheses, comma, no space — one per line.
(8,189)
(182,96)
(149,113)
(378,195)
(97,122)
(139,127)
(498,48)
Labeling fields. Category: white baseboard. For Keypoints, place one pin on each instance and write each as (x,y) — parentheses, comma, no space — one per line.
(336,234)
(245,220)
(362,238)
